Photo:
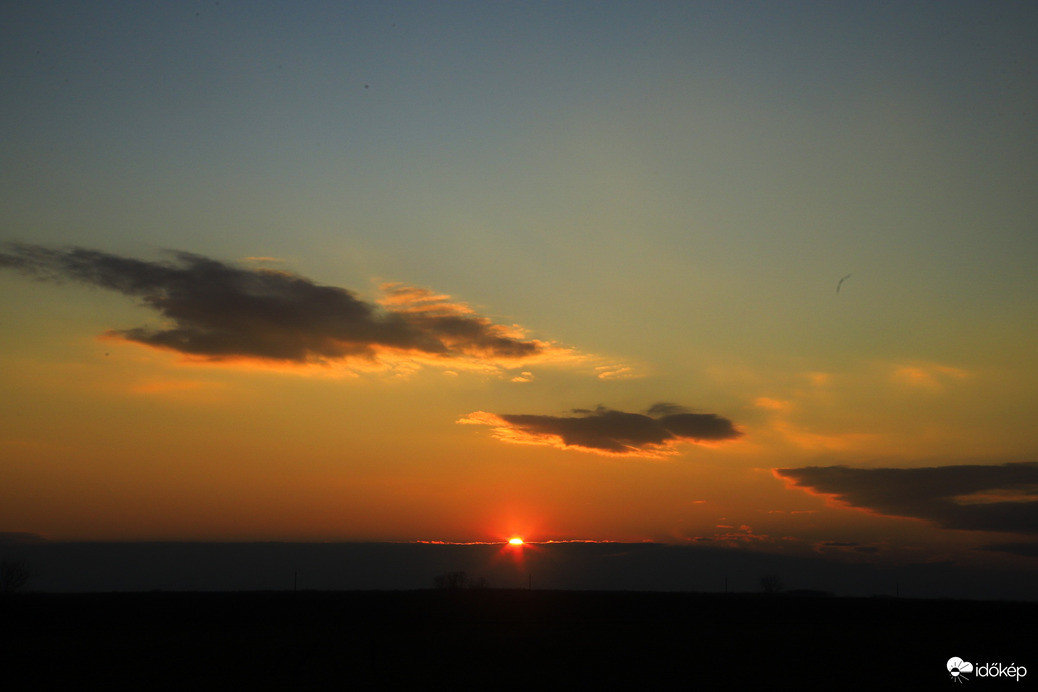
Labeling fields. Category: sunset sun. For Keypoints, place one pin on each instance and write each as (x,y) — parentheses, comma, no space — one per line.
(515,541)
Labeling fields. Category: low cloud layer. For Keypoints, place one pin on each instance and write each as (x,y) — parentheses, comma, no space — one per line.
(1025,549)
(977,498)
(605,431)
(219,311)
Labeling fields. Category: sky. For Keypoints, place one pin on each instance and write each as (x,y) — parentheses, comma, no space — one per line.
(742,275)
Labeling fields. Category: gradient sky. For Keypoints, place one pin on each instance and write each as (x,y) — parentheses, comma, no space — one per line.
(459,271)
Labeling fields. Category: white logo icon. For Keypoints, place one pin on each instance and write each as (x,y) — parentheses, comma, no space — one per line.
(957,667)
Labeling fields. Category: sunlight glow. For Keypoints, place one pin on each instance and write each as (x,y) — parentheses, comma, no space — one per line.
(515,541)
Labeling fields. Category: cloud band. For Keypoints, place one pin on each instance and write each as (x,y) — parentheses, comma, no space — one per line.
(220,311)
(1000,498)
(606,431)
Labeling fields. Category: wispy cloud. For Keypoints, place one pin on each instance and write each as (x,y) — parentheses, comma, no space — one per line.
(1000,498)
(605,431)
(772,404)
(615,371)
(930,376)
(219,311)
(845,547)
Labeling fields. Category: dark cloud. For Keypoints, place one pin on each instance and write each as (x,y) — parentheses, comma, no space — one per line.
(606,431)
(1025,549)
(665,408)
(973,497)
(851,546)
(20,537)
(223,311)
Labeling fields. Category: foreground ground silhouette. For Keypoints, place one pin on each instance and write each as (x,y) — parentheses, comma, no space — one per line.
(502,639)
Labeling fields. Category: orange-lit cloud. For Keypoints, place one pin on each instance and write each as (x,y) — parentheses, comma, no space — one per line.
(1000,498)
(772,404)
(223,312)
(812,440)
(931,376)
(819,379)
(615,372)
(605,431)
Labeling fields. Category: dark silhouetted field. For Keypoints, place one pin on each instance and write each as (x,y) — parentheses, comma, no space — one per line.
(502,639)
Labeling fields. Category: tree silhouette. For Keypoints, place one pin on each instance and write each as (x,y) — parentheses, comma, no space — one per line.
(14,575)
(459,580)
(770,584)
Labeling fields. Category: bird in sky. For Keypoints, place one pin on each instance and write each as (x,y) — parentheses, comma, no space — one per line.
(840,282)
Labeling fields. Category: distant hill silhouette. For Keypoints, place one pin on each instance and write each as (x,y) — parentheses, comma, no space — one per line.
(82,567)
